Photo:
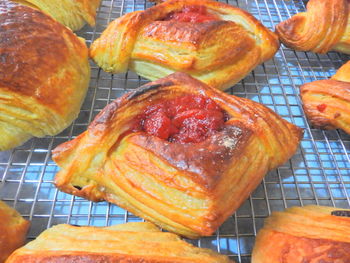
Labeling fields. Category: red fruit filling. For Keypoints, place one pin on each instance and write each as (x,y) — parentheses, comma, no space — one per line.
(186,119)
(321,107)
(192,14)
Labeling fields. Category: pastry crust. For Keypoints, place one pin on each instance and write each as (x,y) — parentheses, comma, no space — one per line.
(327,102)
(304,234)
(44,75)
(324,27)
(71,13)
(189,188)
(13,230)
(131,242)
(219,53)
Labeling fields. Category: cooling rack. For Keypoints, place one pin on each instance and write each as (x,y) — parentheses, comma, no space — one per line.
(319,173)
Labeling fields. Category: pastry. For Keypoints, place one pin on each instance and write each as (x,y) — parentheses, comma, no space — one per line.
(327,102)
(131,242)
(312,234)
(176,152)
(44,75)
(324,27)
(13,230)
(71,13)
(212,41)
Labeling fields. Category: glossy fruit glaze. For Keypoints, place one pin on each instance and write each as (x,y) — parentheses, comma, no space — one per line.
(192,14)
(186,119)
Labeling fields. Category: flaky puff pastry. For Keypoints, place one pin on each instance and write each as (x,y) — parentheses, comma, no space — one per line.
(187,188)
(71,13)
(131,242)
(304,234)
(327,102)
(219,53)
(324,27)
(44,74)
(13,230)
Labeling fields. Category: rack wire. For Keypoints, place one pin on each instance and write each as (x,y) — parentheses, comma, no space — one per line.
(319,173)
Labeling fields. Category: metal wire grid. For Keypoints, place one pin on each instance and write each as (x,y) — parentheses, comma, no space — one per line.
(319,173)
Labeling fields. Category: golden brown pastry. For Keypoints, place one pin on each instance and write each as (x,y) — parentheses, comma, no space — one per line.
(13,230)
(71,13)
(327,102)
(176,152)
(44,75)
(212,41)
(324,27)
(312,234)
(131,242)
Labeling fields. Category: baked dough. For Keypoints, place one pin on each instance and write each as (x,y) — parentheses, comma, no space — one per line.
(219,53)
(327,102)
(304,234)
(13,230)
(131,242)
(187,188)
(71,13)
(44,75)
(324,27)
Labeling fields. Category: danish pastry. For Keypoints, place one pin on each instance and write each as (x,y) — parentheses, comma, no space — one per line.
(324,27)
(176,152)
(304,234)
(131,242)
(327,102)
(71,13)
(13,230)
(44,74)
(212,41)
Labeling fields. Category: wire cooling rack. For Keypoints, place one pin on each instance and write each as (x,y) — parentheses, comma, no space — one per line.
(319,173)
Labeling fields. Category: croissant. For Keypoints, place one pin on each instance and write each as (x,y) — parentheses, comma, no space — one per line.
(71,13)
(130,242)
(176,152)
(212,41)
(44,75)
(327,102)
(312,234)
(13,230)
(324,27)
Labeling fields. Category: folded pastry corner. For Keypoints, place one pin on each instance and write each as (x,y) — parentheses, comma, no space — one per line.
(327,102)
(176,152)
(304,234)
(13,230)
(71,13)
(44,74)
(130,242)
(324,27)
(212,41)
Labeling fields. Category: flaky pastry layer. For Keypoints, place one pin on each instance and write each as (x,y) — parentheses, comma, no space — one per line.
(44,74)
(327,102)
(304,234)
(71,13)
(220,53)
(13,230)
(324,27)
(131,242)
(189,188)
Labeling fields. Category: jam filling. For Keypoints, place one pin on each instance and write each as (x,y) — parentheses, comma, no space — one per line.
(192,14)
(186,119)
(321,107)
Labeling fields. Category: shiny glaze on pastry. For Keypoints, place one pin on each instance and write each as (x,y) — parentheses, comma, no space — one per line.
(131,243)
(71,13)
(327,102)
(187,188)
(304,234)
(13,230)
(44,75)
(324,27)
(218,52)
